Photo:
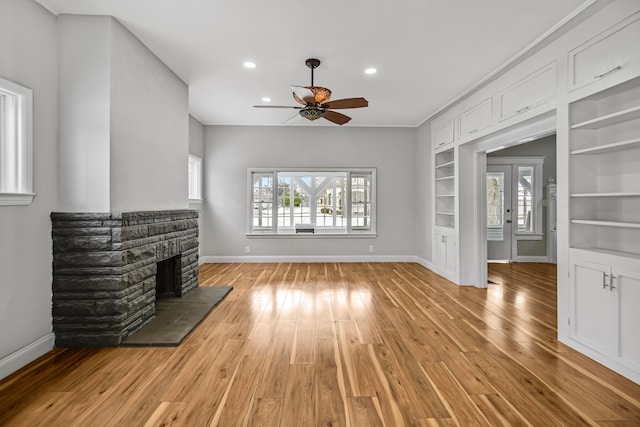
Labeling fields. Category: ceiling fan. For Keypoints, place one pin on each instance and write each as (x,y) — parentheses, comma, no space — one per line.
(315,101)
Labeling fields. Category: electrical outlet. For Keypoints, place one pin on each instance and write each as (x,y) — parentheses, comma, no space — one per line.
(370,249)
(247,249)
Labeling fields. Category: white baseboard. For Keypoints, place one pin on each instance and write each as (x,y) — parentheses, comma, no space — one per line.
(423,262)
(309,258)
(26,355)
(532,259)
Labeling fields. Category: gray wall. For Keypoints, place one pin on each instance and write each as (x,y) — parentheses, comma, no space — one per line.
(545,147)
(124,123)
(230,150)
(149,129)
(28,56)
(423,193)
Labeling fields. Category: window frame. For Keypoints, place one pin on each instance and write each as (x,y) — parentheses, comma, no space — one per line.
(195,160)
(273,231)
(16,144)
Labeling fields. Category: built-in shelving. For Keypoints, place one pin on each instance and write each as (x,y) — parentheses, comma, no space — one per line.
(445,189)
(609,119)
(606,223)
(590,195)
(604,170)
(608,148)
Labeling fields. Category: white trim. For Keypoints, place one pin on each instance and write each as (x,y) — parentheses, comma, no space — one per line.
(26,355)
(310,258)
(531,259)
(16,170)
(16,199)
(600,358)
(425,263)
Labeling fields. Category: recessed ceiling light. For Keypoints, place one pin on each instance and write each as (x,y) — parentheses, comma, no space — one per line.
(266,99)
(249,64)
(370,71)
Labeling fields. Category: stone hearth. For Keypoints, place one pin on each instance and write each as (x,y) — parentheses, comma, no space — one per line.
(104,271)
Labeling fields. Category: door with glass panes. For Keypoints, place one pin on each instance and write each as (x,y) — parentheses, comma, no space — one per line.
(499,223)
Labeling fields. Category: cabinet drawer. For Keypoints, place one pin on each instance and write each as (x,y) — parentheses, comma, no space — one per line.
(476,118)
(444,134)
(614,52)
(534,90)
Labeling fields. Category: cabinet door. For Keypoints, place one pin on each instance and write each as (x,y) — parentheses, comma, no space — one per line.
(533,91)
(592,306)
(476,118)
(451,267)
(444,134)
(612,54)
(627,292)
(440,252)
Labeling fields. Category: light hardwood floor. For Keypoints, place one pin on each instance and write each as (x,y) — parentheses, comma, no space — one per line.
(388,344)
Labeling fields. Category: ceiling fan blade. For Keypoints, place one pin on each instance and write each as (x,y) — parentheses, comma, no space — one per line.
(347,103)
(295,119)
(277,106)
(337,118)
(303,95)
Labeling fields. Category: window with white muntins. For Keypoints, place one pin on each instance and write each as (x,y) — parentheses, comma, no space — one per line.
(292,201)
(16,145)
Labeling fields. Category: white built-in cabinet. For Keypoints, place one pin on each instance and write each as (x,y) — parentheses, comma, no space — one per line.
(612,54)
(446,253)
(476,119)
(532,91)
(445,244)
(592,73)
(604,233)
(444,133)
(604,295)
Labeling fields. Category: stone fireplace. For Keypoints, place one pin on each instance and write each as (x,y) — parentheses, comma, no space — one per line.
(108,269)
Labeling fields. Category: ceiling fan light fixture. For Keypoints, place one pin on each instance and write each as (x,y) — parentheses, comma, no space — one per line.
(311,113)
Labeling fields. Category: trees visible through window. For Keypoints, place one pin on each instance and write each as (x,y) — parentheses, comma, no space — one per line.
(325,201)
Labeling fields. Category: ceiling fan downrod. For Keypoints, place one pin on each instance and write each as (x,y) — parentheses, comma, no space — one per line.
(312,63)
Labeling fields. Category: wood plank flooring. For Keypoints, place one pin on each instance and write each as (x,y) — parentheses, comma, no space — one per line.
(371,344)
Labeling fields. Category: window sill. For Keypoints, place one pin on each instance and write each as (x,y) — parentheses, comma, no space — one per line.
(16,199)
(312,236)
(529,236)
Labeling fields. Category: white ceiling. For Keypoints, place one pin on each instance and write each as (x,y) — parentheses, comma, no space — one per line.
(427,52)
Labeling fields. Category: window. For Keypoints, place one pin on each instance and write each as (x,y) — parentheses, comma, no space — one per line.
(525,199)
(195,178)
(15,144)
(495,206)
(311,201)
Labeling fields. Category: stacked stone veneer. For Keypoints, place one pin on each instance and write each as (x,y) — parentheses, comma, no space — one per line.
(104,271)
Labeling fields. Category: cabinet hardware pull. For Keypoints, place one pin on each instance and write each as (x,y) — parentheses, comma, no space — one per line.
(604,280)
(611,287)
(523,109)
(599,76)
